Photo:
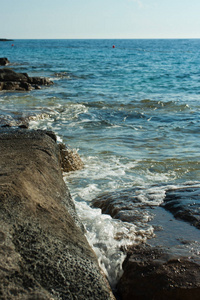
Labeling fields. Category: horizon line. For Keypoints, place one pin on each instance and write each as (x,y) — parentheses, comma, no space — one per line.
(157,38)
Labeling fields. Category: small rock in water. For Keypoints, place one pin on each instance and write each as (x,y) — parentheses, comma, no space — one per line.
(70,160)
(4,61)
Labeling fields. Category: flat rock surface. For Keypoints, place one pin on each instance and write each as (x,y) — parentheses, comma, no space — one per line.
(184,204)
(43,251)
(153,273)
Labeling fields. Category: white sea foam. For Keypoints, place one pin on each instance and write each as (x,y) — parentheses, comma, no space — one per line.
(109,237)
(106,235)
(160,177)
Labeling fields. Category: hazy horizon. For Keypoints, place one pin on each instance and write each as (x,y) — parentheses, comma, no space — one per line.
(11,39)
(111,19)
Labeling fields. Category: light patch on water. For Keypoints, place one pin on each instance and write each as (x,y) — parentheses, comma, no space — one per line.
(152,196)
(160,177)
(59,139)
(60,116)
(89,192)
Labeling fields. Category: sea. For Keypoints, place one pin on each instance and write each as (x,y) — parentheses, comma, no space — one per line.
(131,109)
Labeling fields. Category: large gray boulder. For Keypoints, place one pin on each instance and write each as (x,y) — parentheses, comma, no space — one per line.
(43,250)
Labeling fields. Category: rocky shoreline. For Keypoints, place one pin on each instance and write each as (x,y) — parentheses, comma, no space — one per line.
(43,250)
(12,81)
(167,266)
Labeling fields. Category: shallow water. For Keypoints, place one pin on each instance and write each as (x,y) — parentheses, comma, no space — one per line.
(133,114)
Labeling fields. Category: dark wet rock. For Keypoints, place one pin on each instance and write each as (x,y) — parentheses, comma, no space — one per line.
(43,250)
(24,125)
(10,80)
(16,86)
(11,76)
(184,204)
(152,274)
(70,159)
(52,135)
(4,61)
(166,268)
(125,205)
(134,204)
(39,81)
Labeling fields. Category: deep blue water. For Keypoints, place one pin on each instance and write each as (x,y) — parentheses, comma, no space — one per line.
(132,111)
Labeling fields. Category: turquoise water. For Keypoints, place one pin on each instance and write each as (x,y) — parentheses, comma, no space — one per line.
(132,112)
(138,102)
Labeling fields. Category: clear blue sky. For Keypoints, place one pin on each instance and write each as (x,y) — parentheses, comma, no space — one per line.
(51,19)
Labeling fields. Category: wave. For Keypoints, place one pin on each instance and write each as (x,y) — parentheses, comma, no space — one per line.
(142,105)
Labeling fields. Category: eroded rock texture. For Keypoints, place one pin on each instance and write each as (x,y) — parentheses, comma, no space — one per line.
(43,251)
(70,160)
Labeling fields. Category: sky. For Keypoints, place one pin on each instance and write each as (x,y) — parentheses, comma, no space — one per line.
(100,19)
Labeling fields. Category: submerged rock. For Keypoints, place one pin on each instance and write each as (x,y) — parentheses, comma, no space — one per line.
(168,267)
(152,274)
(125,205)
(184,204)
(10,80)
(43,250)
(21,119)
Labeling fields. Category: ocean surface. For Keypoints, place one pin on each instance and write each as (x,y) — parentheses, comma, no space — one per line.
(132,113)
